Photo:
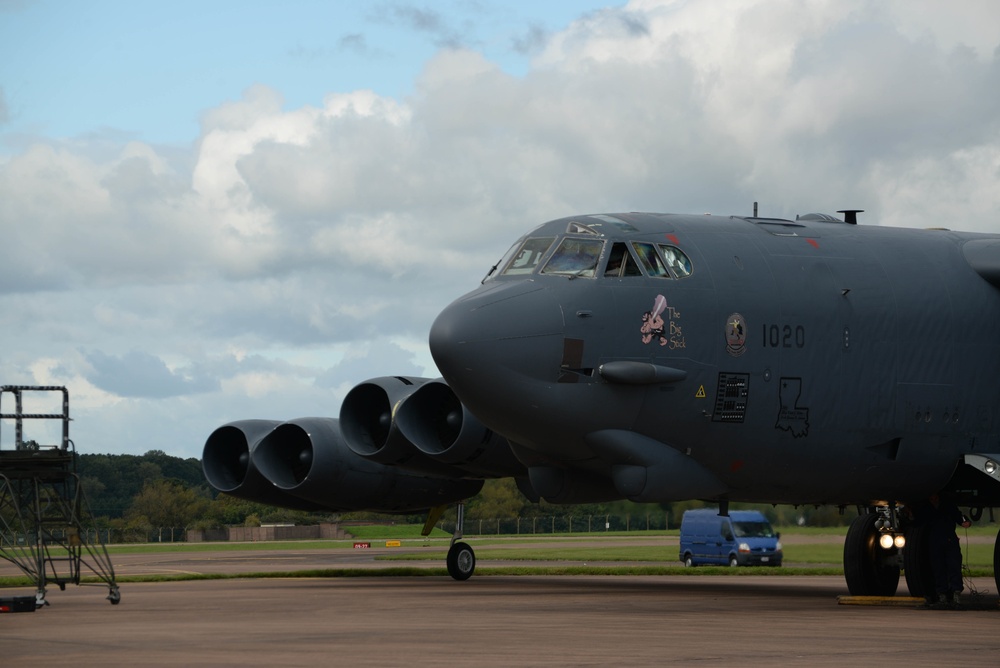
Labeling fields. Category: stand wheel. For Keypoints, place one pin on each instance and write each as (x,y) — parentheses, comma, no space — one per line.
(115,596)
(461,561)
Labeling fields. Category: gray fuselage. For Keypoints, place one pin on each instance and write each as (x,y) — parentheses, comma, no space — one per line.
(780,361)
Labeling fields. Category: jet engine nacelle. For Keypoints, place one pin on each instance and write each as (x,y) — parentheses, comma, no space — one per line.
(419,425)
(438,425)
(308,458)
(367,419)
(228,464)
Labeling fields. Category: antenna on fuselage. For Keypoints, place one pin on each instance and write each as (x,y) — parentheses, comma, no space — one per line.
(851,215)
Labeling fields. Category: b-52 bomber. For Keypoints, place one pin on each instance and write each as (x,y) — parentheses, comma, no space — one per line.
(662,357)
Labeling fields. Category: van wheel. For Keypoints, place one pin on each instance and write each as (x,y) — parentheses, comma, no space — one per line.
(733,562)
(688,561)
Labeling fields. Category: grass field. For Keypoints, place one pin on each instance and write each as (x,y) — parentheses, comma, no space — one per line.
(824,546)
(977,554)
(806,552)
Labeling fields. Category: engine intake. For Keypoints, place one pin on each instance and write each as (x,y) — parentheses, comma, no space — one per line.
(229,464)
(366,417)
(434,420)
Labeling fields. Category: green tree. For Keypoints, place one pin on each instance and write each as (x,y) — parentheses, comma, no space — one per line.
(92,486)
(149,471)
(499,498)
(122,477)
(226,510)
(167,503)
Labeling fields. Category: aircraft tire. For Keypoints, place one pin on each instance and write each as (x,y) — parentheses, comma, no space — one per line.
(917,562)
(996,561)
(867,570)
(461,561)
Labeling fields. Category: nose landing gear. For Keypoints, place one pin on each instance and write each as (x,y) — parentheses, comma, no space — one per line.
(461,558)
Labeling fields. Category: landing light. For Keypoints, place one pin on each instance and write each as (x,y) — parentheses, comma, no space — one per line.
(990,467)
(899,541)
(885,540)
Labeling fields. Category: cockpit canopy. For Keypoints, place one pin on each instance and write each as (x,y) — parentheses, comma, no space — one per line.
(583,252)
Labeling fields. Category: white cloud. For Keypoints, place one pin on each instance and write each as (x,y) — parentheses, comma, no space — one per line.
(971,24)
(957,191)
(292,252)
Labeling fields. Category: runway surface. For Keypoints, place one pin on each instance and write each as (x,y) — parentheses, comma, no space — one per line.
(486,621)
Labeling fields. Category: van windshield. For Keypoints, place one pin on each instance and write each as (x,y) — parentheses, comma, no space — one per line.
(753,530)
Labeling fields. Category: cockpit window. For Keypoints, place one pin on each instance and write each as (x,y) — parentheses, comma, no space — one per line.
(678,262)
(650,260)
(575,257)
(527,257)
(621,262)
(599,225)
(617,223)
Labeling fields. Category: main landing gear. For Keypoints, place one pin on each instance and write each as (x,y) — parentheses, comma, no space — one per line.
(461,558)
(917,562)
(996,561)
(879,545)
(871,553)
(917,558)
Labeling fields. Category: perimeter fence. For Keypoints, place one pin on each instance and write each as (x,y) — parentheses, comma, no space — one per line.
(505,526)
(555,524)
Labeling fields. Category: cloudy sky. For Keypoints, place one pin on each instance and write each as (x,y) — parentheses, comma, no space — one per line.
(222,210)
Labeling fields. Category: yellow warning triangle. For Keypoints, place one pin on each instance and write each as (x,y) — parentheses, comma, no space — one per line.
(700,394)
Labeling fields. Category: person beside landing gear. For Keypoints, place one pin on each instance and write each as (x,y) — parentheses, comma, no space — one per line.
(940,517)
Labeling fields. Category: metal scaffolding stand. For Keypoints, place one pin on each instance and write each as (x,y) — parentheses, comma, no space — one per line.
(43,508)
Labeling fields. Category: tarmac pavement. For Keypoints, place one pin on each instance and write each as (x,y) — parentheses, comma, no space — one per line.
(486,621)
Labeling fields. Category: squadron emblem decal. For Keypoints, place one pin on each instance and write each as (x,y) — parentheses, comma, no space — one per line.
(736,335)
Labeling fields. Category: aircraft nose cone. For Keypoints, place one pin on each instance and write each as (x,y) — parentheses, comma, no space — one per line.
(501,328)
(450,331)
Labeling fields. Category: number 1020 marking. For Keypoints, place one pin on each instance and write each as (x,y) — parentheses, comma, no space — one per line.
(784,336)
